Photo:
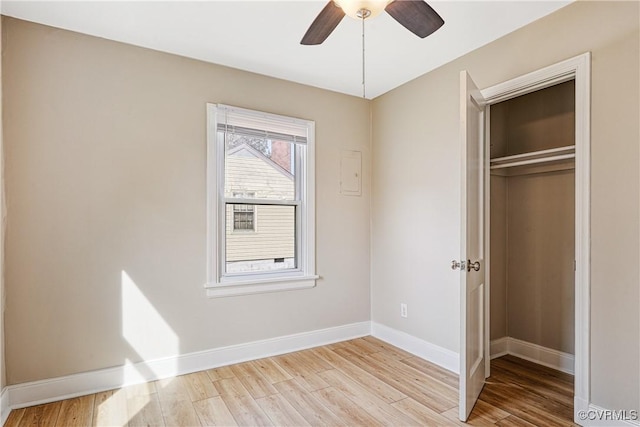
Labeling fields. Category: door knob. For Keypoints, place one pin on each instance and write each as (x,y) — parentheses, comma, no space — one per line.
(455,264)
(474,265)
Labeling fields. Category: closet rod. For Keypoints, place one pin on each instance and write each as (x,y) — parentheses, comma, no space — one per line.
(530,154)
(534,161)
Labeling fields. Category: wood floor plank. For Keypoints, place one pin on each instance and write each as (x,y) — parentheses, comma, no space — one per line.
(110,408)
(421,414)
(40,415)
(76,412)
(253,380)
(231,387)
(433,370)
(538,371)
(418,376)
(300,372)
(513,421)
(368,400)
(246,411)
(483,414)
(179,413)
(144,410)
(361,346)
(242,406)
(532,392)
(258,386)
(527,406)
(411,386)
(395,352)
(335,345)
(271,371)
(220,373)
(543,389)
(199,386)
(543,380)
(344,408)
(307,404)
(172,389)
(15,417)
(314,363)
(242,369)
(281,412)
(175,402)
(370,382)
(143,389)
(529,370)
(214,412)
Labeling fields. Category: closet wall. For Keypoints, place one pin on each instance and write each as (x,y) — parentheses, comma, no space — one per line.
(532,226)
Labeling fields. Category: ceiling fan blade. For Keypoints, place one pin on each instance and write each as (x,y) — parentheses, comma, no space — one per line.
(416,16)
(323,25)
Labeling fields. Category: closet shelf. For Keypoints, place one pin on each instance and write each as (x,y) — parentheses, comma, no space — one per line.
(533,157)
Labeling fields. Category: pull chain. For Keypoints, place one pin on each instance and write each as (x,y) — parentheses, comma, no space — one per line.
(364,89)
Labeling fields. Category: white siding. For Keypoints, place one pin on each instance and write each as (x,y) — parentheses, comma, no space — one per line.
(274,234)
(265,179)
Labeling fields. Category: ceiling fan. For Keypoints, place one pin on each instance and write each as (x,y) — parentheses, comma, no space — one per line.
(415,15)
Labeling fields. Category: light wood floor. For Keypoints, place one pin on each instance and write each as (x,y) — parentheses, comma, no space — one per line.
(359,382)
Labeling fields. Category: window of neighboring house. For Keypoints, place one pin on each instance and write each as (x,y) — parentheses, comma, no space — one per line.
(259,162)
(244,215)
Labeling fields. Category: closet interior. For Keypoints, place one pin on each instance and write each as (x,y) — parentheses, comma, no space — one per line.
(532,220)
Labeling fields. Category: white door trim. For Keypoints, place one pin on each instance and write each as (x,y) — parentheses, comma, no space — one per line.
(579,69)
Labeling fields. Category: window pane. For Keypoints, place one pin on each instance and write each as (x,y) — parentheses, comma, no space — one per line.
(259,168)
(268,241)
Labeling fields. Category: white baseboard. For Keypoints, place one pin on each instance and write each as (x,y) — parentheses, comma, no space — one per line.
(448,359)
(4,406)
(37,392)
(499,347)
(551,358)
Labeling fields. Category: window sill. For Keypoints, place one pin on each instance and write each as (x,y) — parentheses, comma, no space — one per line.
(250,287)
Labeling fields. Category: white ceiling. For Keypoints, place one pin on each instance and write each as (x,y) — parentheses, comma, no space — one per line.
(263,36)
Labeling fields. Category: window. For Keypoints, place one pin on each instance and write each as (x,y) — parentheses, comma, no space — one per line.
(260,191)
(244,215)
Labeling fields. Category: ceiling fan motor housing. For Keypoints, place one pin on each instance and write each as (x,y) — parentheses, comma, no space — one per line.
(362,9)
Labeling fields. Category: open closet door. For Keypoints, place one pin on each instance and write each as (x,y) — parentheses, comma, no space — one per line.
(472,277)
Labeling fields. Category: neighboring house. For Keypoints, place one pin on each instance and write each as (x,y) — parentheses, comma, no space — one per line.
(259,236)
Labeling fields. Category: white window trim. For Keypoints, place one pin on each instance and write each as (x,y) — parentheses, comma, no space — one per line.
(304,276)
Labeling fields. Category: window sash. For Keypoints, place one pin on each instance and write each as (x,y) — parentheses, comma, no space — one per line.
(297,202)
(298,265)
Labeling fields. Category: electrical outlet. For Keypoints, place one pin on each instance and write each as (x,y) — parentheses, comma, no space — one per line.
(403,310)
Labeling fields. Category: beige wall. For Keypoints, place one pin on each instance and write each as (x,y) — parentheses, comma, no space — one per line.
(105,152)
(540,244)
(416,164)
(498,259)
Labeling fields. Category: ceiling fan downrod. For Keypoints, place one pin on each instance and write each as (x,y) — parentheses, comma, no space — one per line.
(363,14)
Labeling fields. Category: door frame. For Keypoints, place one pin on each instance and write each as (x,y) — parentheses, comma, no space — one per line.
(578,69)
